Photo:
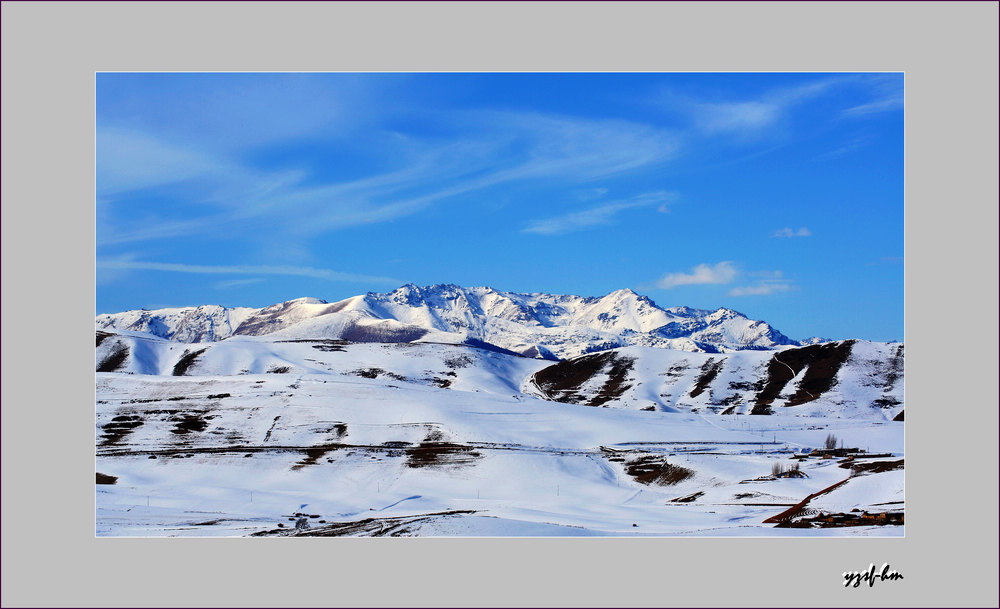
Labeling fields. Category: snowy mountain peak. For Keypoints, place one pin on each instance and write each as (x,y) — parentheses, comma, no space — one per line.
(724,313)
(307,300)
(623,293)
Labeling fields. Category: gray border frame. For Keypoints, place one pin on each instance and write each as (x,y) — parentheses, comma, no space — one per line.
(50,52)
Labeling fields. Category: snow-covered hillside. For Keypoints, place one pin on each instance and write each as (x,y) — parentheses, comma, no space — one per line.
(537,325)
(847,379)
(266,435)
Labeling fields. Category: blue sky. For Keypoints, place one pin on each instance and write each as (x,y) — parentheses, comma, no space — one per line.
(778,195)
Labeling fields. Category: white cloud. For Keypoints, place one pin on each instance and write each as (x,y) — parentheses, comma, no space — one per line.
(762,288)
(597,216)
(788,233)
(767,282)
(127,264)
(720,273)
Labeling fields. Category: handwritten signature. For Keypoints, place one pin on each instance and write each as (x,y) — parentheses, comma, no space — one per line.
(854,578)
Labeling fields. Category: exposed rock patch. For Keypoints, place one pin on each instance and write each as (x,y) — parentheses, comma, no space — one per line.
(562,382)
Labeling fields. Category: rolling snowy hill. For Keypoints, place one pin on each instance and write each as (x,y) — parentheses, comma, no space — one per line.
(855,379)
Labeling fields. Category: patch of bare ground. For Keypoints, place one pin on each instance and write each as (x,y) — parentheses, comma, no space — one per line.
(872,467)
(399,526)
(676,371)
(327,345)
(119,427)
(114,359)
(187,422)
(106,479)
(101,336)
(435,452)
(654,469)
(561,382)
(709,370)
(186,361)
(730,403)
(458,361)
(895,369)
(687,498)
(314,454)
(886,401)
(849,519)
(374,373)
(822,362)
(440,454)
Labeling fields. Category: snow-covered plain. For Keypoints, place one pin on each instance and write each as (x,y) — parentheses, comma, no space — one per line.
(279,435)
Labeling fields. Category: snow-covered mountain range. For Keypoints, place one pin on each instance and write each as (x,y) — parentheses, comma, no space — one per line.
(543,326)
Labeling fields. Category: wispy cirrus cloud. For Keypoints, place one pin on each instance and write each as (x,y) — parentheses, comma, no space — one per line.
(719,273)
(749,116)
(128,264)
(133,160)
(494,149)
(887,97)
(849,147)
(882,105)
(789,233)
(764,283)
(599,215)
(752,116)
